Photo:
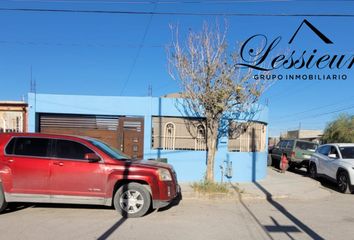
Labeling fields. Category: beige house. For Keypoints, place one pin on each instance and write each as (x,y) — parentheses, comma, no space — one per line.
(178,133)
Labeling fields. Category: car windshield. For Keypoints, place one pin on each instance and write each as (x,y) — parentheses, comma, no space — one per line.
(347,152)
(110,151)
(306,146)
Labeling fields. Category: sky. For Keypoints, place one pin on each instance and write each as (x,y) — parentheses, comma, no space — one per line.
(122,54)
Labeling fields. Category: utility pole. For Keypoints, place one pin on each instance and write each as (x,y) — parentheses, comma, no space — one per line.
(298,133)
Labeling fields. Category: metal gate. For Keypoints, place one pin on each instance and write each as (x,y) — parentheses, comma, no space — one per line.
(123,133)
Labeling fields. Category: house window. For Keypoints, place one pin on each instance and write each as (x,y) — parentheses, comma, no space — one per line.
(170,134)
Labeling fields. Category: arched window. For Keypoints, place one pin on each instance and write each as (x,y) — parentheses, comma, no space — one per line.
(200,139)
(170,135)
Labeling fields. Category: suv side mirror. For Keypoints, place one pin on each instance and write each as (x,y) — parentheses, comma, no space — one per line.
(92,157)
(332,155)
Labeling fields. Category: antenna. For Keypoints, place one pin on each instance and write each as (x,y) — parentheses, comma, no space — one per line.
(33,83)
(31,80)
(34,86)
(150,90)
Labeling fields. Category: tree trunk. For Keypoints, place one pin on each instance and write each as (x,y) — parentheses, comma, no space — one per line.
(212,138)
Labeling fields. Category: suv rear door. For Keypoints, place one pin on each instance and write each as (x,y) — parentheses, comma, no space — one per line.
(73,175)
(288,148)
(28,159)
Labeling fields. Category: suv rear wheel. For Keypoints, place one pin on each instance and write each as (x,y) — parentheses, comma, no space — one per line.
(3,203)
(343,182)
(132,200)
(313,170)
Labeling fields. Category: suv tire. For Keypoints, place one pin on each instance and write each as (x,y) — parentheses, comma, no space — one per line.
(343,182)
(313,170)
(3,203)
(132,200)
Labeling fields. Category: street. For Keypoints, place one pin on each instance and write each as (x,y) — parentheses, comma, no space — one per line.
(328,218)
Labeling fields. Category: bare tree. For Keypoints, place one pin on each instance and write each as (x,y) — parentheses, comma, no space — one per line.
(212,85)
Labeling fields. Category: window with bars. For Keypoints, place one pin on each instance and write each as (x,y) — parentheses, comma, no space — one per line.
(178,133)
(11,121)
(247,137)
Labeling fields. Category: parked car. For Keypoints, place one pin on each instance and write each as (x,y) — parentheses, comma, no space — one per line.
(298,152)
(45,168)
(335,162)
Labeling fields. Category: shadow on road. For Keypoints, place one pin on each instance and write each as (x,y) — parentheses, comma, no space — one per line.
(111,230)
(276,227)
(286,213)
(237,190)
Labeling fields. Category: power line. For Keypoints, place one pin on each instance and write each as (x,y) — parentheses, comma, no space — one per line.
(62,44)
(174,2)
(312,109)
(173,13)
(325,113)
(138,53)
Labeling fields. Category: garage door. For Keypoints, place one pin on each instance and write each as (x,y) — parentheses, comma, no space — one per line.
(123,133)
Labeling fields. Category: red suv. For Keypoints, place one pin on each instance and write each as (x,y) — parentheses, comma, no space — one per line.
(45,168)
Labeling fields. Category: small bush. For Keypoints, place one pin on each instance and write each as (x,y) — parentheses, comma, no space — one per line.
(210,187)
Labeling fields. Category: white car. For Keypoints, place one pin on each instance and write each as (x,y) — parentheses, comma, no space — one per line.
(335,162)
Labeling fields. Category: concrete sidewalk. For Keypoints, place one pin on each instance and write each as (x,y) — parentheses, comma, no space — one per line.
(276,185)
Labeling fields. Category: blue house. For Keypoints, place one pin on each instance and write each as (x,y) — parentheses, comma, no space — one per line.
(155,127)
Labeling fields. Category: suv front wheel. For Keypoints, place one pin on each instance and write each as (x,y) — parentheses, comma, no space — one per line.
(132,200)
(343,182)
(3,203)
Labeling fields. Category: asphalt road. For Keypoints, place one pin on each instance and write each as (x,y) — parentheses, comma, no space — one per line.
(328,218)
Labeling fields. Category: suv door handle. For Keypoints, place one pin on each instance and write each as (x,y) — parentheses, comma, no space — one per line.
(10,161)
(58,163)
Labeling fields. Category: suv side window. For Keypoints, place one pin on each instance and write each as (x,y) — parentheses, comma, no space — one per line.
(334,151)
(71,150)
(324,150)
(290,144)
(24,146)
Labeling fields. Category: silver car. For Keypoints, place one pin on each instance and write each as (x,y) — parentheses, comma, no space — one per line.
(335,162)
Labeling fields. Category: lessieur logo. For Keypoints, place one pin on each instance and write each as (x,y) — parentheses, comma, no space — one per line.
(297,61)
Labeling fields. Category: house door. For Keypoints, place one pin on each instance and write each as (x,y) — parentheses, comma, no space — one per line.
(132,137)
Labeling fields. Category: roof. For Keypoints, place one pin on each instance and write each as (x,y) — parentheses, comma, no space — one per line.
(13,103)
(173,95)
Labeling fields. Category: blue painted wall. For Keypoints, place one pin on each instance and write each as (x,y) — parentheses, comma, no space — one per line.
(189,165)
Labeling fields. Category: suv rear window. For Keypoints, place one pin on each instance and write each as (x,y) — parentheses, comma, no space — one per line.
(306,145)
(24,146)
